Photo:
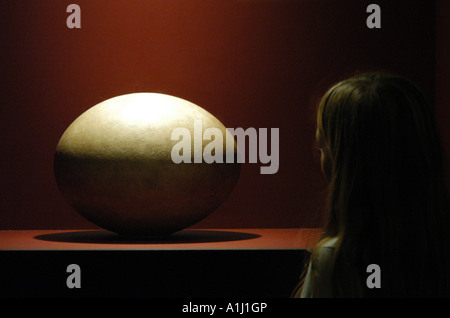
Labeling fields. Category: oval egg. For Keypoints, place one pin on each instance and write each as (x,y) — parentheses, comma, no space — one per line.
(114,165)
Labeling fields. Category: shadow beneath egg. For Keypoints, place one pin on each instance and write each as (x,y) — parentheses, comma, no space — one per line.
(181,237)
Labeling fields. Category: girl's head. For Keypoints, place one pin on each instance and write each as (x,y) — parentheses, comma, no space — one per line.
(380,146)
(382,156)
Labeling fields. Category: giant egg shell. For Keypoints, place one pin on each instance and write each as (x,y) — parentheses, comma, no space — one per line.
(113,165)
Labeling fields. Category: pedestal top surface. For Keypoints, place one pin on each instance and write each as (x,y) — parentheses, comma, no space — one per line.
(188,239)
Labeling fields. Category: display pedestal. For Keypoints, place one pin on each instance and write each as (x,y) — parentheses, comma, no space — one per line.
(193,263)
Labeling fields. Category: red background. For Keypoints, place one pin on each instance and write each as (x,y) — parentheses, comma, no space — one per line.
(251,63)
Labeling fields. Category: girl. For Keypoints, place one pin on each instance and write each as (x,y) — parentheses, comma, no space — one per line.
(388,201)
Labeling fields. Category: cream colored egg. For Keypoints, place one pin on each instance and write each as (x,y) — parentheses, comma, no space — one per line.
(114,165)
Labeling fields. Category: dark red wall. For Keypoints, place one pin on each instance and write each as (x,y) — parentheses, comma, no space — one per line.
(443,72)
(251,63)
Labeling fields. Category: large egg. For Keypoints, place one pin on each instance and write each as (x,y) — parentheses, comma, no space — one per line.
(114,165)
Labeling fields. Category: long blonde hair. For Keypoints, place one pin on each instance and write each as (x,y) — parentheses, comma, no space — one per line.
(388,199)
